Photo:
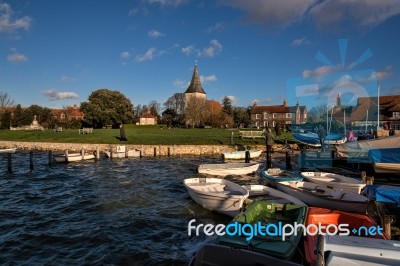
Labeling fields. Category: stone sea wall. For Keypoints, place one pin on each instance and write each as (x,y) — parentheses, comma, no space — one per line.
(146,150)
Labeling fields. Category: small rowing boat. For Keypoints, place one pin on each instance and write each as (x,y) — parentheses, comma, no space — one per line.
(223,169)
(237,155)
(72,157)
(273,175)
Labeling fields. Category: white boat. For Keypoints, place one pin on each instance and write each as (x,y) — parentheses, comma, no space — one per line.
(10,150)
(123,152)
(223,169)
(325,196)
(334,180)
(72,157)
(271,194)
(217,194)
(237,155)
(273,175)
(354,250)
(212,254)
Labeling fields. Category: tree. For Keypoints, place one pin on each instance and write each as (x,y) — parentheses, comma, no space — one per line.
(317,114)
(227,105)
(176,102)
(105,107)
(168,117)
(5,101)
(241,115)
(195,111)
(155,108)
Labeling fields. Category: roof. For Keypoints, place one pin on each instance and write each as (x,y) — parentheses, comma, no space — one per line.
(276,109)
(195,84)
(213,107)
(147,115)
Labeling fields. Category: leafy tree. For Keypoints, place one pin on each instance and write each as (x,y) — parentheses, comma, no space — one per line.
(5,120)
(241,115)
(105,107)
(195,111)
(227,105)
(169,117)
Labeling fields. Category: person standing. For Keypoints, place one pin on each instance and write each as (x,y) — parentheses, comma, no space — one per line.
(269,141)
(322,136)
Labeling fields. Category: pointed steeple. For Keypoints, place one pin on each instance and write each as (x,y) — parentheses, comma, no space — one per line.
(195,84)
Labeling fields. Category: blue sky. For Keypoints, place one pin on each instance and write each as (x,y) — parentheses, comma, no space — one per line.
(55,53)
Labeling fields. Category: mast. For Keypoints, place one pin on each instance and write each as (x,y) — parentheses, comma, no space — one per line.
(379,88)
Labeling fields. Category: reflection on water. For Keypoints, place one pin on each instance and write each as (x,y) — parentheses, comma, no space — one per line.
(122,211)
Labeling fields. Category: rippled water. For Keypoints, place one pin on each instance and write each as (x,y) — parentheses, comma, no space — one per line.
(125,211)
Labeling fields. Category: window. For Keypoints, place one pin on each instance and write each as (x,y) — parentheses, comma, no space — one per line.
(256,124)
(62,116)
(273,123)
(274,115)
(265,123)
(265,115)
(257,116)
(396,114)
(288,115)
(305,115)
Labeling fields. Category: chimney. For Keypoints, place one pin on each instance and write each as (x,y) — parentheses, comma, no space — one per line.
(284,103)
(338,101)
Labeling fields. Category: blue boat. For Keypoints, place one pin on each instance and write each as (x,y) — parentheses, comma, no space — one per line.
(274,175)
(312,139)
(384,193)
(385,160)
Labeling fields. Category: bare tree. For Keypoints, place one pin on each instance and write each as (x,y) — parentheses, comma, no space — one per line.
(195,111)
(176,102)
(154,108)
(317,114)
(5,101)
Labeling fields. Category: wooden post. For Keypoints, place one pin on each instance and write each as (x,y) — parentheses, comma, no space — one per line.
(31,160)
(387,228)
(141,151)
(155,151)
(364,177)
(9,163)
(66,156)
(83,153)
(169,151)
(97,153)
(159,150)
(247,157)
(49,157)
(288,164)
(126,152)
(269,159)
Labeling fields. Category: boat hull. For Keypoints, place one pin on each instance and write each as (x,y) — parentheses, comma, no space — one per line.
(11,150)
(224,169)
(237,155)
(274,175)
(334,180)
(217,194)
(73,157)
(128,154)
(325,197)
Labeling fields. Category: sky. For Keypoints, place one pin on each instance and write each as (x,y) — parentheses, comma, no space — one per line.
(56,53)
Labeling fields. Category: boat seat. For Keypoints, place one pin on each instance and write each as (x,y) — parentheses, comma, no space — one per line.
(210,187)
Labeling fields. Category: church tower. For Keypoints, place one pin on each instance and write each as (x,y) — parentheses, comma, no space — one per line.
(195,89)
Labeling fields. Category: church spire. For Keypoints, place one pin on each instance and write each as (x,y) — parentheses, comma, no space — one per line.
(195,84)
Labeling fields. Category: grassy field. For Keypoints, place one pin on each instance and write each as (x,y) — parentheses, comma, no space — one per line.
(146,135)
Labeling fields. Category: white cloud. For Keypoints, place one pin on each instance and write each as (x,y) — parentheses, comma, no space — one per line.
(385,73)
(219,26)
(65,78)
(150,54)
(301,41)
(208,78)
(319,71)
(326,14)
(155,34)
(9,24)
(16,57)
(167,2)
(133,12)
(214,49)
(233,99)
(54,94)
(188,49)
(180,83)
(125,55)
(263,102)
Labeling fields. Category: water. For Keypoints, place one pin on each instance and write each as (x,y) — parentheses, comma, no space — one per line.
(113,212)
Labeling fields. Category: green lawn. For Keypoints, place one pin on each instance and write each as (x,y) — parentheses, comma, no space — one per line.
(146,135)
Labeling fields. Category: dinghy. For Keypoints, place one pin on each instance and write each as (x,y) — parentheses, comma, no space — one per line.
(334,180)
(273,175)
(237,155)
(325,197)
(10,150)
(385,160)
(333,218)
(312,139)
(217,194)
(270,194)
(353,250)
(72,157)
(271,215)
(223,169)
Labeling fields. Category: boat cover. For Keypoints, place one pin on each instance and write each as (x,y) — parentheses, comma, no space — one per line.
(360,149)
(384,193)
(385,155)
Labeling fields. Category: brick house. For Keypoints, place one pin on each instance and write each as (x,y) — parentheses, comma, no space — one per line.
(147,119)
(269,116)
(67,114)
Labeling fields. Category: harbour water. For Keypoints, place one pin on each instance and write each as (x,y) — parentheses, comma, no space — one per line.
(112,212)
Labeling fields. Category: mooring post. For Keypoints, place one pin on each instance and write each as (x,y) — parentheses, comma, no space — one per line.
(49,157)
(387,228)
(83,153)
(364,177)
(66,156)
(31,160)
(97,153)
(269,158)
(141,151)
(247,157)
(155,151)
(169,151)
(9,163)
(288,164)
